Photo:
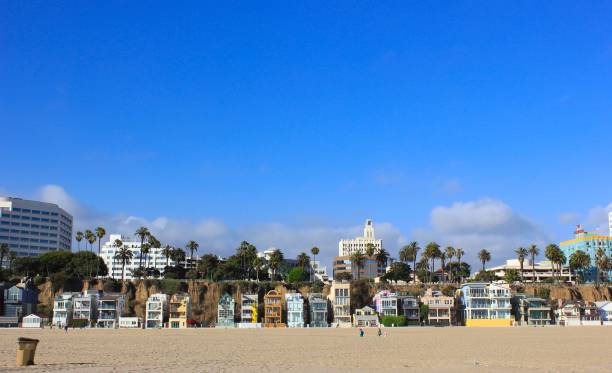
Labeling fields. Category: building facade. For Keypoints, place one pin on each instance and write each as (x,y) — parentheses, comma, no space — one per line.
(154,259)
(19,300)
(340,297)
(348,247)
(440,308)
(318,311)
(590,243)
(386,303)
(110,309)
(156,312)
(543,271)
(409,306)
(62,309)
(226,312)
(371,268)
(486,304)
(85,308)
(365,317)
(273,310)
(532,310)
(248,308)
(179,311)
(295,310)
(31,228)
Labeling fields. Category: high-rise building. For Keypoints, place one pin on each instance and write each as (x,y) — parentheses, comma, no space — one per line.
(349,247)
(590,243)
(610,222)
(31,228)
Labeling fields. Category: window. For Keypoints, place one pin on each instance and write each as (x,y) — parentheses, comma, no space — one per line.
(36,212)
(26,210)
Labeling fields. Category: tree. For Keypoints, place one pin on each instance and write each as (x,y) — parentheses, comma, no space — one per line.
(484,257)
(521,253)
(12,256)
(79,236)
(145,249)
(602,263)
(246,252)
(369,252)
(382,257)
(167,253)
(442,263)
(533,252)
(80,265)
(357,260)
(124,255)
(512,275)
(100,233)
(4,251)
(343,276)
(579,261)
(297,274)
(450,253)
(192,246)
(552,254)
(257,266)
(432,251)
(143,233)
(459,253)
(91,238)
(207,265)
(399,271)
(178,255)
(275,261)
(409,253)
(303,260)
(314,251)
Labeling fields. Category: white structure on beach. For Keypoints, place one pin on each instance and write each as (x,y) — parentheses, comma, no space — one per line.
(295,310)
(85,307)
(348,247)
(340,298)
(110,309)
(154,259)
(156,311)
(62,309)
(34,321)
(543,270)
(130,322)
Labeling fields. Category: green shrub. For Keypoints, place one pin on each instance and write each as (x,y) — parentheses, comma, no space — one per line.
(170,286)
(424,312)
(544,293)
(393,320)
(79,323)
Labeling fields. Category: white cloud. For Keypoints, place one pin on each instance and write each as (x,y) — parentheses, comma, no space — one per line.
(570,218)
(452,186)
(598,218)
(483,224)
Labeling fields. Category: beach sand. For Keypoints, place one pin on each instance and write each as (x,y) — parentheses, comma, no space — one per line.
(454,349)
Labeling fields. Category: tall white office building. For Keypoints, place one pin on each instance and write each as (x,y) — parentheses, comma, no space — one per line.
(154,259)
(31,228)
(349,247)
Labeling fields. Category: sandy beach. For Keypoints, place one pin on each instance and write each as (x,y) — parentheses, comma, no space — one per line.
(579,349)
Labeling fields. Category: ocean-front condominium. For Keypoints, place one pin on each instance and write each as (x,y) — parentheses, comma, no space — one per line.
(365,317)
(156,311)
(318,311)
(31,228)
(295,310)
(248,308)
(226,311)
(62,309)
(409,306)
(154,259)
(441,309)
(486,304)
(110,309)
(543,271)
(273,310)
(590,243)
(85,308)
(179,311)
(386,303)
(531,310)
(340,297)
(348,247)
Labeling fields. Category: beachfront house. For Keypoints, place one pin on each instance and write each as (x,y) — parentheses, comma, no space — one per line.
(440,308)
(365,317)
(126,322)
(225,311)
(409,307)
(85,308)
(295,310)
(604,308)
(576,313)
(19,300)
(156,312)
(34,320)
(486,304)
(179,311)
(110,309)
(318,311)
(340,297)
(248,310)
(273,310)
(62,309)
(386,303)
(532,310)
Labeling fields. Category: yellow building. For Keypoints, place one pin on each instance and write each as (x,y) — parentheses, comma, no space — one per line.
(486,304)
(180,311)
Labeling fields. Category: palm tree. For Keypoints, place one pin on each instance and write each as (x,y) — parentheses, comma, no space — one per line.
(443,262)
(484,257)
(409,253)
(124,255)
(533,252)
(91,238)
(167,253)
(88,235)
(303,260)
(459,253)
(78,236)
(145,249)
(382,256)
(192,246)
(601,264)
(450,253)
(357,260)
(370,249)
(551,253)
(178,255)
(315,252)
(4,251)
(100,233)
(579,261)
(432,251)
(11,256)
(521,253)
(257,266)
(275,261)
(143,233)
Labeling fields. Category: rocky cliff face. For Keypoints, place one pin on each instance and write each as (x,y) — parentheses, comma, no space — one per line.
(205,295)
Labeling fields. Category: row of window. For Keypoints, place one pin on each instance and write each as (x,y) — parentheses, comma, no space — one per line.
(34,211)
(32,218)
(27,225)
(33,233)
(25,239)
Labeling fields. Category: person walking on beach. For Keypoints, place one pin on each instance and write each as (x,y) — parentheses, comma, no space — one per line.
(361,332)
(379,332)
(66,328)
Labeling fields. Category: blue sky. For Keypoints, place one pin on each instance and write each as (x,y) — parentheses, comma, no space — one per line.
(480,124)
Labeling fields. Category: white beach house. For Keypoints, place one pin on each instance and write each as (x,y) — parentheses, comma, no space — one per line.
(156,311)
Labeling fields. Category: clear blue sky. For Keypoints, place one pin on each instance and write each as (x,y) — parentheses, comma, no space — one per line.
(277,112)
